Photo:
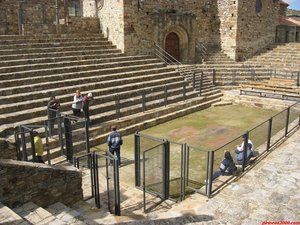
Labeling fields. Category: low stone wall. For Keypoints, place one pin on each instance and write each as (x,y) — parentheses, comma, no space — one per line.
(23,182)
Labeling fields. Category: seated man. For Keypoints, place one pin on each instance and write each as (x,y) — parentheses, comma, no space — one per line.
(227,166)
(240,149)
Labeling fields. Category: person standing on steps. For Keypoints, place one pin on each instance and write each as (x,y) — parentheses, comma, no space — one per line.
(85,104)
(52,108)
(115,141)
(38,146)
(77,104)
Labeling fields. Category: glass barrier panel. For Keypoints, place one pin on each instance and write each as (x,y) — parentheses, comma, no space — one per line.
(278,127)
(259,138)
(176,172)
(294,116)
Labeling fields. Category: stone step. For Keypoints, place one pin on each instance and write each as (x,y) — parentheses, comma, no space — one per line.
(123,85)
(110,66)
(68,64)
(100,105)
(8,128)
(46,45)
(42,102)
(62,59)
(56,49)
(58,54)
(35,214)
(65,214)
(9,217)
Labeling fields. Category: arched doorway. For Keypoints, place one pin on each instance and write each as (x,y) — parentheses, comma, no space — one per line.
(172,45)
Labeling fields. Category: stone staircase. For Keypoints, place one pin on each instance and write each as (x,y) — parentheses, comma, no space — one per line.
(229,72)
(282,57)
(36,67)
(83,213)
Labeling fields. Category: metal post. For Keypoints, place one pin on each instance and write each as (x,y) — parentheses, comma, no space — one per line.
(288,110)
(184,169)
(144,182)
(269,134)
(60,135)
(137,160)
(23,143)
(32,146)
(166,94)
(117,189)
(201,82)
(87,136)
(187,164)
(214,76)
(166,170)
(210,174)
(143,100)
(207,171)
(184,91)
(68,136)
(182,174)
(298,79)
(107,164)
(97,196)
(246,137)
(118,111)
(194,80)
(47,144)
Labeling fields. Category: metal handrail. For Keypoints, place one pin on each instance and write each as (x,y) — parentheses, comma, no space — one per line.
(165,56)
(202,48)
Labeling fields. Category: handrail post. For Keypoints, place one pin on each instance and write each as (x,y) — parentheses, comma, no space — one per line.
(298,79)
(287,121)
(166,95)
(246,135)
(210,174)
(214,76)
(269,133)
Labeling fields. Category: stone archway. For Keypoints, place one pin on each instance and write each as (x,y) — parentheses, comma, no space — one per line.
(176,43)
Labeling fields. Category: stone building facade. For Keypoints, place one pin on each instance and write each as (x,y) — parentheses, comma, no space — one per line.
(181,27)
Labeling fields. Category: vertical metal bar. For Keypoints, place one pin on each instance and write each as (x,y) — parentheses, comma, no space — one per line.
(207,171)
(144,182)
(201,83)
(68,136)
(298,78)
(181,174)
(23,143)
(47,144)
(87,136)
(137,160)
(74,161)
(210,174)
(60,135)
(143,100)
(96,168)
(117,188)
(187,164)
(107,164)
(17,145)
(166,169)
(246,135)
(184,169)
(91,160)
(194,80)
(269,134)
(32,146)
(184,90)
(77,161)
(166,94)
(288,110)
(214,76)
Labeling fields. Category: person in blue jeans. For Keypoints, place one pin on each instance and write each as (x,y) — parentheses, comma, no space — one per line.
(115,141)
(227,166)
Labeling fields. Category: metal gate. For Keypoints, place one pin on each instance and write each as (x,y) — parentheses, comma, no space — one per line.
(101,173)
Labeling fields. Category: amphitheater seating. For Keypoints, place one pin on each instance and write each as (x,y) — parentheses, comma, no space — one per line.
(34,68)
(283,88)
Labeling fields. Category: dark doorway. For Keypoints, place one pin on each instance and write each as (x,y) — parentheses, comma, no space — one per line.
(287,34)
(172,45)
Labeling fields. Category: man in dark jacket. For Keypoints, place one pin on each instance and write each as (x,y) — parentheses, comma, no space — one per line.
(115,141)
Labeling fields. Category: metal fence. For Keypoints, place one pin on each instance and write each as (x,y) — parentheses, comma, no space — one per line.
(173,170)
(100,179)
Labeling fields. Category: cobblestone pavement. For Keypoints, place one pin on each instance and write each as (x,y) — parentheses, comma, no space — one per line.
(268,192)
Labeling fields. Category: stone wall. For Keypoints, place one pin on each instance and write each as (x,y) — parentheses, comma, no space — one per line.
(227,12)
(89,8)
(112,21)
(151,22)
(23,182)
(255,30)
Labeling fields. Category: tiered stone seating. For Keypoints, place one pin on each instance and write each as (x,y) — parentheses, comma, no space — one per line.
(34,68)
(285,88)
(283,57)
(229,72)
